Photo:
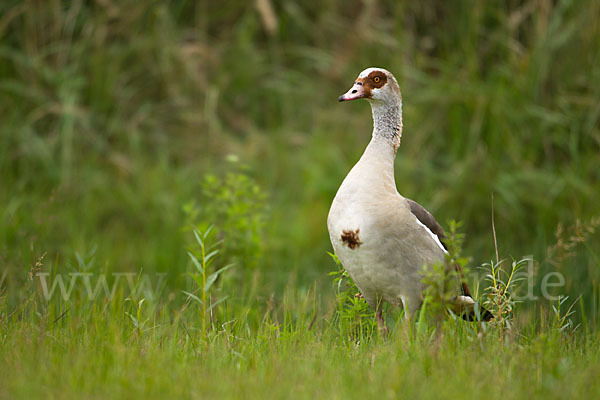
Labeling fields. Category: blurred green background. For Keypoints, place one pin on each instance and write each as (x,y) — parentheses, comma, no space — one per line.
(123,123)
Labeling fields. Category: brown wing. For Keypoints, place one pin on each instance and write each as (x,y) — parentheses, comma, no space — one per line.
(429,221)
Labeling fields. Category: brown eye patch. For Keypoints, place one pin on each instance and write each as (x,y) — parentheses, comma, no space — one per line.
(377,79)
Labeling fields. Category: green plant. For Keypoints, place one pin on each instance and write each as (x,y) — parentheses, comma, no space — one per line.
(499,295)
(138,321)
(235,205)
(563,319)
(203,278)
(353,317)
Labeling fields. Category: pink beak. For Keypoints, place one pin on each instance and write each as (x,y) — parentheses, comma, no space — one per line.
(356,92)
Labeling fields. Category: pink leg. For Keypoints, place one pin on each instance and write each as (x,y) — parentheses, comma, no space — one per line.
(383,330)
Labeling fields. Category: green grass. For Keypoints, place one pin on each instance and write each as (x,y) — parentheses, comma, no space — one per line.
(284,353)
(125,125)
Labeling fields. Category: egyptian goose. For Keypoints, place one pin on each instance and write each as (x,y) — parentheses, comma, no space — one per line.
(383,239)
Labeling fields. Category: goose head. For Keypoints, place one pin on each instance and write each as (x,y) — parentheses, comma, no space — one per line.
(376,85)
(381,89)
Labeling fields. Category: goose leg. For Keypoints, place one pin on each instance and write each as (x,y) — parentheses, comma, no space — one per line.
(383,330)
(411,305)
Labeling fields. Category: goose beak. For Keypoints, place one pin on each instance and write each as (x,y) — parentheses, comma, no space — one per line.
(356,92)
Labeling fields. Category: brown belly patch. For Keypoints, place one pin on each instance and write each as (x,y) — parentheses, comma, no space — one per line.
(350,238)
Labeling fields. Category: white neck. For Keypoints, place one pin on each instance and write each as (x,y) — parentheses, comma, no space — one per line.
(377,164)
(387,121)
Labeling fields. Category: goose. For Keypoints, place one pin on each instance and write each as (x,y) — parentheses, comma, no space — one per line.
(383,239)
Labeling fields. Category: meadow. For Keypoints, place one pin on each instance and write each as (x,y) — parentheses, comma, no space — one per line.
(166,169)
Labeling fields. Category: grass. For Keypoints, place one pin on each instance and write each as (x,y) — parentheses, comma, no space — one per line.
(127,125)
(98,351)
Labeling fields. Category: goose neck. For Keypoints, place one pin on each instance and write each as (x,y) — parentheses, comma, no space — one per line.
(387,122)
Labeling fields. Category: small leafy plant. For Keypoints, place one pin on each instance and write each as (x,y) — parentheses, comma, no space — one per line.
(236,208)
(563,321)
(204,279)
(499,295)
(138,321)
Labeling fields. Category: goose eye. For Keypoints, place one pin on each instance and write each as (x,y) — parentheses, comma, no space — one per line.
(376,79)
